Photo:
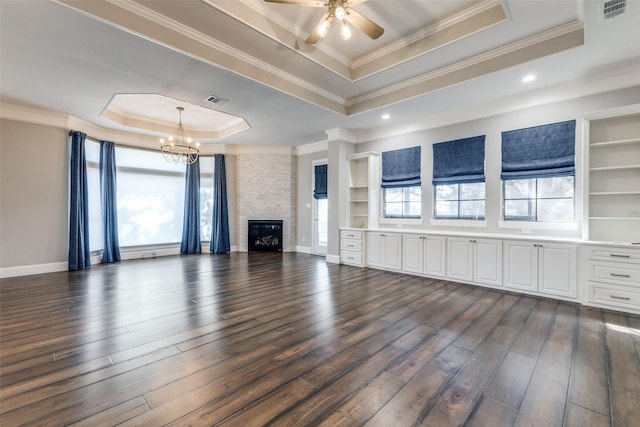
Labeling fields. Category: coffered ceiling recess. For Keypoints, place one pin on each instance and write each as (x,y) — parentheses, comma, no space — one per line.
(155,114)
(427,45)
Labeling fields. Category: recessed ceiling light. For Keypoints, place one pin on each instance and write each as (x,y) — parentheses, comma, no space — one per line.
(386,117)
(528,78)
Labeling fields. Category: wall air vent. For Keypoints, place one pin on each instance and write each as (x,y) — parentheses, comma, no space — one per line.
(216,100)
(612,8)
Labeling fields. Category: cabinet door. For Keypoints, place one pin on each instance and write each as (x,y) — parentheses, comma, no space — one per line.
(460,259)
(392,246)
(434,256)
(521,266)
(487,262)
(412,248)
(557,267)
(374,249)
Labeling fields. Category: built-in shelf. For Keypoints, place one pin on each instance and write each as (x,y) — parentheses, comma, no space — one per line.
(613,190)
(613,168)
(618,142)
(363,182)
(615,218)
(614,193)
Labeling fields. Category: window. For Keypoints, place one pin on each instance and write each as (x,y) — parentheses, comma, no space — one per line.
(92,154)
(539,199)
(458,179)
(206,197)
(538,169)
(460,201)
(401,183)
(402,202)
(150,198)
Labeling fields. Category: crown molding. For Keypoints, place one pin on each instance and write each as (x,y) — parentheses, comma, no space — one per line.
(555,40)
(157,28)
(623,77)
(440,25)
(311,148)
(341,134)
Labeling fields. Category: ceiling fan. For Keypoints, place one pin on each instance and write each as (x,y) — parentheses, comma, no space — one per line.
(340,10)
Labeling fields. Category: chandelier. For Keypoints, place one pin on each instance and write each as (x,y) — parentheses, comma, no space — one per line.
(178,148)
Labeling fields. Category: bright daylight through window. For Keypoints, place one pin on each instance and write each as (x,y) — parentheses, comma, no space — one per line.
(460,201)
(403,202)
(539,199)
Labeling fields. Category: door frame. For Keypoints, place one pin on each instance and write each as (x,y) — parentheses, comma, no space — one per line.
(314,207)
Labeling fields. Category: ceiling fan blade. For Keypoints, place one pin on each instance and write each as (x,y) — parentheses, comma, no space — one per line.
(315,35)
(365,25)
(312,3)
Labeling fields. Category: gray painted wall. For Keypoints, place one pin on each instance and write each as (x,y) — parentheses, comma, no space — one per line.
(33,194)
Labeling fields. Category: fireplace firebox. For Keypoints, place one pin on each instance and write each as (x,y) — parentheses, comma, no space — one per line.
(265,235)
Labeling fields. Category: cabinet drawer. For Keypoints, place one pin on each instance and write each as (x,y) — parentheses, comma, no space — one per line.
(351,257)
(351,245)
(614,272)
(614,295)
(350,234)
(614,254)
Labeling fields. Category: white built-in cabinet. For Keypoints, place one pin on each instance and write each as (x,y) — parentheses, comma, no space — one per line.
(541,268)
(364,183)
(475,260)
(424,255)
(384,250)
(613,277)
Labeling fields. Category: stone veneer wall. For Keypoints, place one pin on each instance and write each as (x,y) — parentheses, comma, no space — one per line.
(266,189)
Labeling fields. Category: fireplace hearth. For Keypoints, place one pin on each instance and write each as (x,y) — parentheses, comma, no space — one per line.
(265,235)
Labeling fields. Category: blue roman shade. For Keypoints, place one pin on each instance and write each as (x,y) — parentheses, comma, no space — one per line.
(459,162)
(401,168)
(539,152)
(320,182)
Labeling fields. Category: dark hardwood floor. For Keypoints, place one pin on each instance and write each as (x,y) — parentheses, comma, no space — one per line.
(286,339)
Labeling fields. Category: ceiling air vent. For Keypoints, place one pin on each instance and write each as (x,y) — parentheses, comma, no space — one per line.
(216,100)
(612,8)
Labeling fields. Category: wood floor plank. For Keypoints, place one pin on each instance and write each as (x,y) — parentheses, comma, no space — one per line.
(288,339)
(589,383)
(406,407)
(577,416)
(367,401)
(545,400)
(624,365)
(625,407)
(512,379)
(489,412)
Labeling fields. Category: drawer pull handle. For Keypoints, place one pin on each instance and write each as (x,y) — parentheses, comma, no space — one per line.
(617,297)
(620,275)
(620,256)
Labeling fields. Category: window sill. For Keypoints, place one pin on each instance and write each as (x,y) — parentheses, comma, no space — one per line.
(458,223)
(531,225)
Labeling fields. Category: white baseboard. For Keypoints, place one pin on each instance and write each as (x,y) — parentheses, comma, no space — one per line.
(334,259)
(25,270)
(304,249)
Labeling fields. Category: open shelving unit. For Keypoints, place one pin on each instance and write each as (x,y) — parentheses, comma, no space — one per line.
(363,189)
(613,155)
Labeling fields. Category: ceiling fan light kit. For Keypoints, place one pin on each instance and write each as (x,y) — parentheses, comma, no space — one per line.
(340,10)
